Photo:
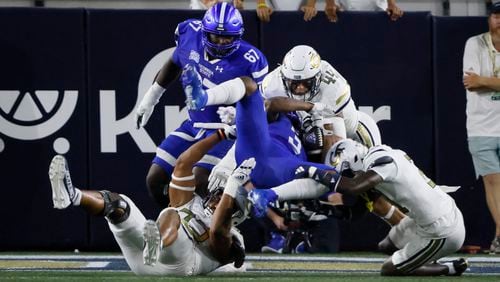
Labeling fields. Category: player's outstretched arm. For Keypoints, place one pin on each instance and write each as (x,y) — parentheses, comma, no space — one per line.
(221,240)
(167,74)
(183,181)
(285,104)
(362,182)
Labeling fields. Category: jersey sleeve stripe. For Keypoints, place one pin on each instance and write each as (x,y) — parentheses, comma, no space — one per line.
(260,73)
(343,106)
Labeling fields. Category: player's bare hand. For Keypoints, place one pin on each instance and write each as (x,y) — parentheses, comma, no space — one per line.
(264,13)
(238,4)
(309,12)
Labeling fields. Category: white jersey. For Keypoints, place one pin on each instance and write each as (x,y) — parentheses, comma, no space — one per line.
(483,108)
(188,255)
(334,91)
(407,186)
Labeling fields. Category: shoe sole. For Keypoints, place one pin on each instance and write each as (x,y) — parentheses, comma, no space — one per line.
(151,243)
(60,196)
(267,249)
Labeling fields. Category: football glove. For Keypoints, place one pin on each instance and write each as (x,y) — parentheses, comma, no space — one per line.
(227,115)
(312,138)
(148,102)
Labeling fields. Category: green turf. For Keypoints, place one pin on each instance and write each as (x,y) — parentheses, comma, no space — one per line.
(277,277)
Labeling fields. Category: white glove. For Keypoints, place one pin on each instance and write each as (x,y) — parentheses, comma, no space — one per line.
(218,177)
(227,114)
(148,102)
(322,108)
(229,132)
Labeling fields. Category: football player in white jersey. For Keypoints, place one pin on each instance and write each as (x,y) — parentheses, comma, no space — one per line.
(434,226)
(308,84)
(177,243)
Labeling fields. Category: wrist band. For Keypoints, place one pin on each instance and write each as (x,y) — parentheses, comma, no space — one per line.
(390,213)
(262,5)
(231,187)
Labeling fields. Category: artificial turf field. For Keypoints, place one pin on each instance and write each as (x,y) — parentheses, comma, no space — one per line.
(338,267)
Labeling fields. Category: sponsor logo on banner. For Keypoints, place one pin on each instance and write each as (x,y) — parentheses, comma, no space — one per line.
(33,115)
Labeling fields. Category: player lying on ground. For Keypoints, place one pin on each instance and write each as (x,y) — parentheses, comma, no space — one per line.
(149,247)
(434,227)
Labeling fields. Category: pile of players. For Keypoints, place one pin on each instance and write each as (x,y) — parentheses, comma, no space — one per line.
(254,138)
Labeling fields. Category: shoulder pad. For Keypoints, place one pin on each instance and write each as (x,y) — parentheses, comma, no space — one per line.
(187,25)
(381,161)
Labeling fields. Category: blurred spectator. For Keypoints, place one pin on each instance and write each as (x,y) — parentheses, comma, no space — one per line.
(264,10)
(481,66)
(206,4)
(331,7)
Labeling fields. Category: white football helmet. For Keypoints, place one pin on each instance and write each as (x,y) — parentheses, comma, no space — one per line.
(239,214)
(302,64)
(346,150)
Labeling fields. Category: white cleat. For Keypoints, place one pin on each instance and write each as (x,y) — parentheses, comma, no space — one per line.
(152,243)
(60,180)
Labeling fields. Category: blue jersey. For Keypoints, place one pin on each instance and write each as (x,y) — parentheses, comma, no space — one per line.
(284,136)
(247,60)
(275,146)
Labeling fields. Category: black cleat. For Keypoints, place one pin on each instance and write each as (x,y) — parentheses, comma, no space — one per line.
(460,266)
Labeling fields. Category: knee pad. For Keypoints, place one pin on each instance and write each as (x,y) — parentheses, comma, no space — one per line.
(116,209)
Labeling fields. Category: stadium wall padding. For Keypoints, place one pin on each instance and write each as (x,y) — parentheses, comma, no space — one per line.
(407,74)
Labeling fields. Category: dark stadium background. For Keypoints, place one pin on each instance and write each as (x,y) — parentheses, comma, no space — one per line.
(412,65)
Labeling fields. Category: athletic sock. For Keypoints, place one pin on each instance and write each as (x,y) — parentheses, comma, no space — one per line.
(226,93)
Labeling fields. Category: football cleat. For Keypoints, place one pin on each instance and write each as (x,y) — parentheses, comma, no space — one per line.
(152,243)
(260,199)
(495,246)
(63,191)
(196,96)
(275,245)
(301,248)
(460,265)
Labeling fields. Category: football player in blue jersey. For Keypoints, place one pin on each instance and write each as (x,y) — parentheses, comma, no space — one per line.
(275,147)
(214,45)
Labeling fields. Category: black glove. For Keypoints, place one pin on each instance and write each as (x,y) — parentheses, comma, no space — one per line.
(312,138)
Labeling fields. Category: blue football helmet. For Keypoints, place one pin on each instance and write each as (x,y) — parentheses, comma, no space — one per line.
(222,19)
